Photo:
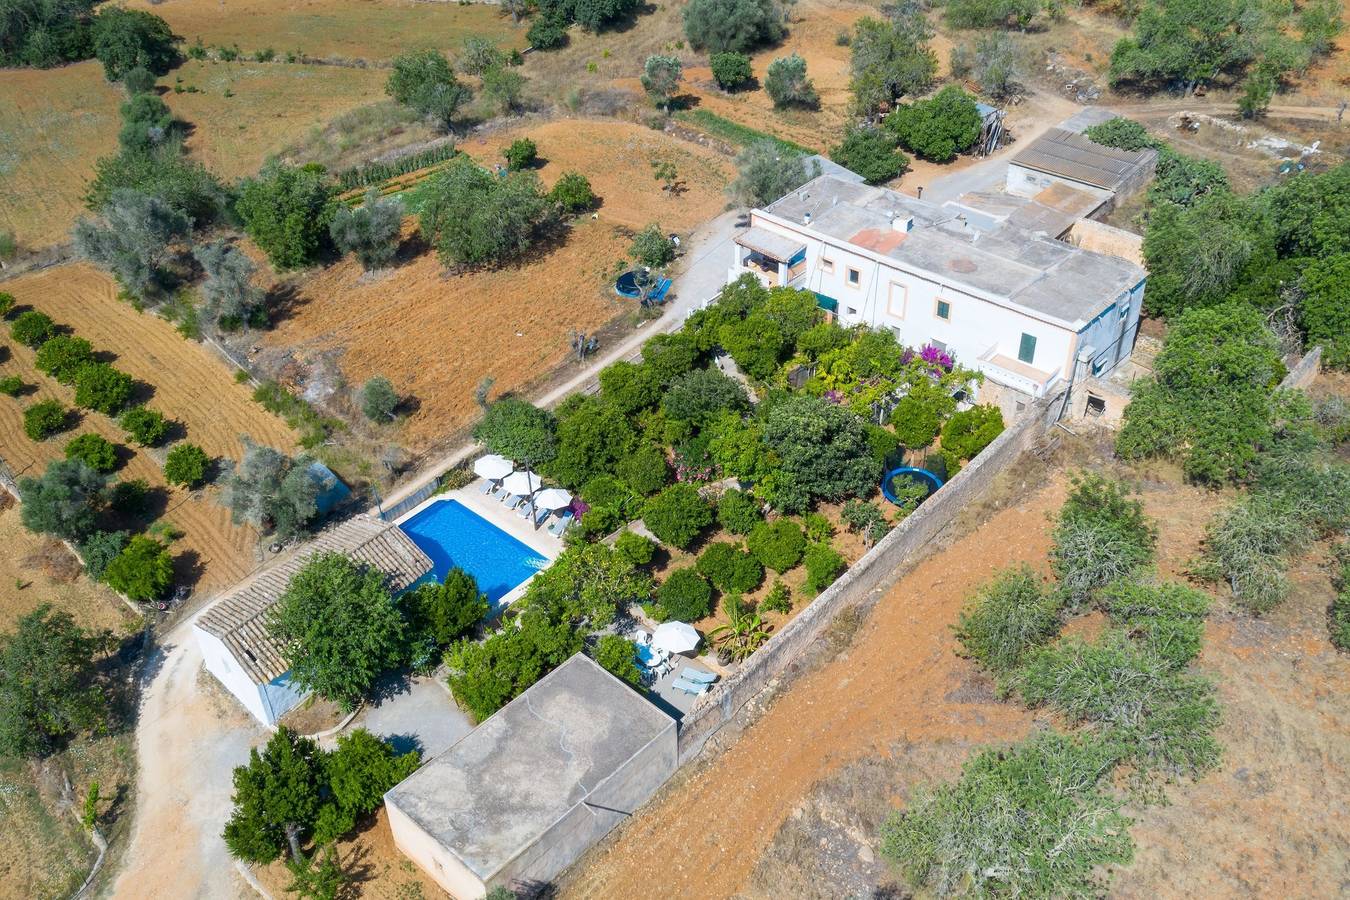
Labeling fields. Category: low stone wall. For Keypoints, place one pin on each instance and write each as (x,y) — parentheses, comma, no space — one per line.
(1102,238)
(874,572)
(1302,375)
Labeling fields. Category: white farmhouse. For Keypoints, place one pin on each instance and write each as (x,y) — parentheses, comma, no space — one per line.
(233,635)
(985,278)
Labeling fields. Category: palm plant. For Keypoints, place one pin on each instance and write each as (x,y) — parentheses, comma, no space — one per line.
(743,633)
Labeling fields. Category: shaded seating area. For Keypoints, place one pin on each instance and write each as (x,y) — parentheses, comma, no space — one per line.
(523,491)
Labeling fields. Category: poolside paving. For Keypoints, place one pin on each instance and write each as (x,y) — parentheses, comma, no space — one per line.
(670,701)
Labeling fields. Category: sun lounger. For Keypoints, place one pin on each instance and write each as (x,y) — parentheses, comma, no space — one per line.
(698,676)
(541,515)
(558,527)
(689,687)
(512,501)
(524,509)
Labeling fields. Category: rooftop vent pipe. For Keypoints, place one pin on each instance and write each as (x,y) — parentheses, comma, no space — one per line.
(806,218)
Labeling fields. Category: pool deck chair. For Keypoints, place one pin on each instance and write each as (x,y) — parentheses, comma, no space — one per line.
(558,527)
(697,676)
(689,687)
(487,487)
(512,501)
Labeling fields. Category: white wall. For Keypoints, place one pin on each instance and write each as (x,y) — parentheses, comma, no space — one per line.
(906,303)
(222,664)
(432,857)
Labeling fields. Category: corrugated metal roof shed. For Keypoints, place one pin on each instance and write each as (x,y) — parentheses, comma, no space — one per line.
(239,619)
(1072,156)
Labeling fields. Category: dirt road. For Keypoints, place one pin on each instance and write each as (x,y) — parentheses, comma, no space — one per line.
(188,741)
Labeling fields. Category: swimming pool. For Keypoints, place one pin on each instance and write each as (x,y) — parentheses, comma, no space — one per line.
(453,535)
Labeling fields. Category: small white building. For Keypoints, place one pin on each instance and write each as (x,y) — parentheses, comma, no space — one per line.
(538,783)
(1029,311)
(233,635)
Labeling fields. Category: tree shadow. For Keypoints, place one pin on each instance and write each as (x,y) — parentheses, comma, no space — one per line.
(405,743)
(188,569)
(282,302)
(134,510)
(141,393)
(684,102)
(391,685)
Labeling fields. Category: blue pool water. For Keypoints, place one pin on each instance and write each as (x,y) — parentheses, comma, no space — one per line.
(453,535)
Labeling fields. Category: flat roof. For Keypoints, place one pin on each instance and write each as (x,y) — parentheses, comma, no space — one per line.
(994,257)
(500,788)
(1068,154)
(770,244)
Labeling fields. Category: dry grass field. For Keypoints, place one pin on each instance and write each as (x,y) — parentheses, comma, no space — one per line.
(436,335)
(53,125)
(366,29)
(270,104)
(190,385)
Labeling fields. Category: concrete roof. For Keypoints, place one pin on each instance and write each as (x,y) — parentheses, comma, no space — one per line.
(770,243)
(239,618)
(499,789)
(1052,212)
(991,256)
(1068,154)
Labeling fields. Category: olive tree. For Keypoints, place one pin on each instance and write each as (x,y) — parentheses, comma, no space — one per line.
(787,85)
(369,231)
(231,297)
(661,79)
(134,240)
(766,170)
(424,81)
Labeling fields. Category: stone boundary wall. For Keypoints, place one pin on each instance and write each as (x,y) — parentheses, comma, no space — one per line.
(1302,375)
(877,570)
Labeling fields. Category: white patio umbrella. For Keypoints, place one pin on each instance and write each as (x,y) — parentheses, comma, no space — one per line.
(521,484)
(675,637)
(492,467)
(552,498)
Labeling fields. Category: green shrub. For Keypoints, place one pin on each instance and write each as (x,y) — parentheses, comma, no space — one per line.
(546,32)
(819,529)
(100,387)
(684,596)
(823,566)
(938,128)
(44,419)
(1159,720)
(1164,618)
(11,385)
(1102,535)
(7,302)
(1339,615)
(739,512)
(521,154)
(144,426)
(677,515)
(778,545)
(1245,547)
(644,470)
(968,432)
(287,211)
(779,599)
(600,521)
(871,152)
(63,356)
(618,657)
(129,498)
(440,614)
(186,464)
(94,450)
(100,549)
(731,70)
(866,519)
(32,328)
(729,568)
(635,548)
(1010,616)
(142,571)
(1031,820)
(572,191)
(919,414)
(606,490)
(379,400)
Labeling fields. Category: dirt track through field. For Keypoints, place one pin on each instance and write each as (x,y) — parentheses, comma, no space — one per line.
(190,385)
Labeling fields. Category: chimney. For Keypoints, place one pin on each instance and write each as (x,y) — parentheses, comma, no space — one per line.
(806,218)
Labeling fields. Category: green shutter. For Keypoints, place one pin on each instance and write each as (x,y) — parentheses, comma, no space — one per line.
(1026,352)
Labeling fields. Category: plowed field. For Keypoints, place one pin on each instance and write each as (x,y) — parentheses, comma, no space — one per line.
(189,384)
(436,336)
